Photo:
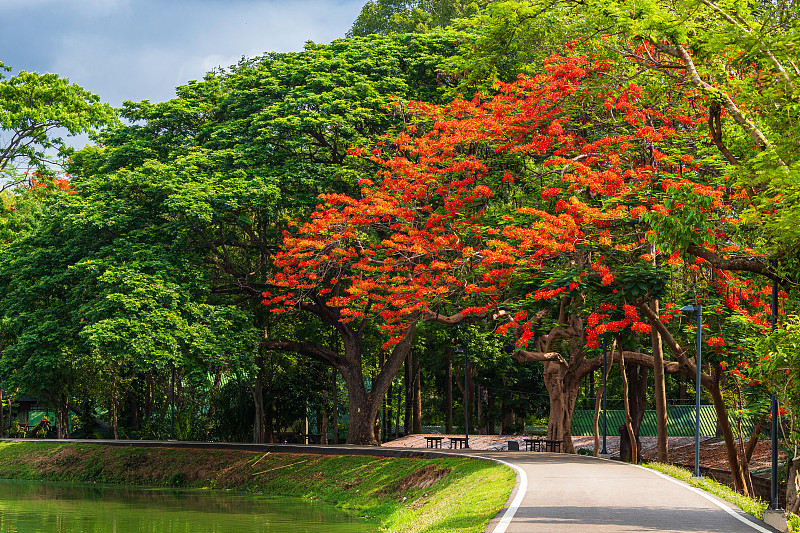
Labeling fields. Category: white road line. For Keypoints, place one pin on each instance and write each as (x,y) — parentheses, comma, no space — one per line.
(512,509)
(713,500)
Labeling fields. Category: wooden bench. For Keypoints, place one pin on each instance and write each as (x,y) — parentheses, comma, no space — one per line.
(538,444)
(533,445)
(433,442)
(459,442)
(552,446)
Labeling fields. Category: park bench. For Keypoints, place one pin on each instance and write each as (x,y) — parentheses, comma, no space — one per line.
(538,444)
(458,442)
(533,445)
(433,442)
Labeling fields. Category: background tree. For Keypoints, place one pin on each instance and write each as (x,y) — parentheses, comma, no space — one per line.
(234,156)
(34,110)
(408,16)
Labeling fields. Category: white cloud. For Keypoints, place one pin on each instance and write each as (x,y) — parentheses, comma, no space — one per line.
(95,7)
(142,49)
(147,52)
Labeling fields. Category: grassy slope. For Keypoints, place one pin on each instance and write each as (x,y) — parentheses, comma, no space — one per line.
(409,495)
(752,506)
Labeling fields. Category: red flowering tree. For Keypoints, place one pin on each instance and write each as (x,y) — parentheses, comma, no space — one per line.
(558,204)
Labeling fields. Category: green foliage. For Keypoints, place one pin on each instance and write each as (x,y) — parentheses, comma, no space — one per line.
(779,369)
(509,38)
(32,106)
(406,16)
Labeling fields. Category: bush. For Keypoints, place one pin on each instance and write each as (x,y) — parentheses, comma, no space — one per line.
(39,431)
(15,431)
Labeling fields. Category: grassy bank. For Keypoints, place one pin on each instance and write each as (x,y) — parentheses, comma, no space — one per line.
(409,495)
(752,506)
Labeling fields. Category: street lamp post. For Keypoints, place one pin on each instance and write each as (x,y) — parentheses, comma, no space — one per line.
(466,401)
(604,453)
(774,503)
(699,309)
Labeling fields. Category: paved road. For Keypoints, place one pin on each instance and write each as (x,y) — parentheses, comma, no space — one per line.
(575,494)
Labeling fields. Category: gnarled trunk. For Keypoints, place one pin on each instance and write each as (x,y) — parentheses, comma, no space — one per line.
(563,391)
(363,405)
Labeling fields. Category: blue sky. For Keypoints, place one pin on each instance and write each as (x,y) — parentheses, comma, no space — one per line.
(142,49)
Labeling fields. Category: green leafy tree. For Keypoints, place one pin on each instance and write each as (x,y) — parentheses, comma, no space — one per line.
(104,291)
(34,110)
(237,154)
(407,16)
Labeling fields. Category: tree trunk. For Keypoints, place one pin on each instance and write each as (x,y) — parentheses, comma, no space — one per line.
(148,396)
(636,378)
(363,408)
(269,420)
(417,394)
(632,451)
(133,410)
(257,389)
(323,427)
(380,429)
(481,408)
(563,391)
(364,405)
(62,417)
(335,408)
(489,412)
(397,410)
(659,391)
(751,444)
(2,414)
(730,444)
(793,486)
(408,382)
(114,406)
(596,420)
(448,388)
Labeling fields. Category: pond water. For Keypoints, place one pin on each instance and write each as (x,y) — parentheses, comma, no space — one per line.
(33,507)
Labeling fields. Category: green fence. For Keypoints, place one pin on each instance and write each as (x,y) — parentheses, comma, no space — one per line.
(680,422)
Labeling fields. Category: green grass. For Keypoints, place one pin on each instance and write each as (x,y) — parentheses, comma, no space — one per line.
(411,495)
(752,506)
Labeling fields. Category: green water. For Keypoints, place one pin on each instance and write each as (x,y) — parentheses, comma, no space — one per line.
(33,507)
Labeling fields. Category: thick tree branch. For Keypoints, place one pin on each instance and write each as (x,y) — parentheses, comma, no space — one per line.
(739,264)
(305,348)
(524,356)
(458,318)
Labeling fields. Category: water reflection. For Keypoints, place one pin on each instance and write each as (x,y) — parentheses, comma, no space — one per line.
(28,507)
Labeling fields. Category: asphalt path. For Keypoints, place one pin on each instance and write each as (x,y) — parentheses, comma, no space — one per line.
(560,492)
(572,493)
